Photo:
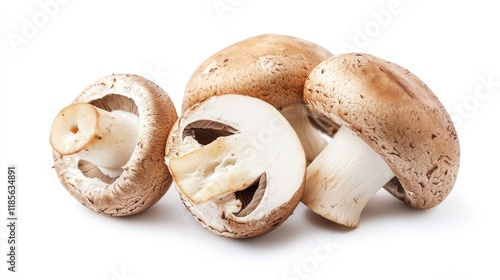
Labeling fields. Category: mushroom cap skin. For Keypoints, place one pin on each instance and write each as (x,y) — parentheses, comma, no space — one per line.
(145,178)
(262,181)
(270,67)
(273,68)
(397,115)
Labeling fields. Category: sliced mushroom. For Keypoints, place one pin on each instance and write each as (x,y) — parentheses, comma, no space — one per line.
(394,132)
(109,145)
(270,67)
(240,175)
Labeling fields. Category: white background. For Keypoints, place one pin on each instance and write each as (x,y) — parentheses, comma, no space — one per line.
(52,52)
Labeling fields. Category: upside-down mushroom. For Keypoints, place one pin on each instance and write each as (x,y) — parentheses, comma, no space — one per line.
(109,145)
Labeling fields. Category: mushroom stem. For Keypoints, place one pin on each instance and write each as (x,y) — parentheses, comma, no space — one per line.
(216,169)
(106,139)
(310,137)
(344,176)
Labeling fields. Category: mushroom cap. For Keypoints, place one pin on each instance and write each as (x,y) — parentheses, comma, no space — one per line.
(397,115)
(145,178)
(263,180)
(271,67)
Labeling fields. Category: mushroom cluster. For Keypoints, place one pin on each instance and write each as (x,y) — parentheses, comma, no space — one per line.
(256,180)
(266,123)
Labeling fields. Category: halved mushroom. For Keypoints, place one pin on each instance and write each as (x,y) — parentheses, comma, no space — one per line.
(109,145)
(270,67)
(394,132)
(240,175)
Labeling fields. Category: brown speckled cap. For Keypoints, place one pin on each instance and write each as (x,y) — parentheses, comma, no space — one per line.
(270,67)
(145,178)
(397,115)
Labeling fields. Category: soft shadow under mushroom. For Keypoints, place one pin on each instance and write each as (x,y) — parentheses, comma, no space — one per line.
(281,237)
(384,206)
(324,224)
(160,214)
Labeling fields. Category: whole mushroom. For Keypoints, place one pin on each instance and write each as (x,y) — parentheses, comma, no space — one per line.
(271,67)
(109,144)
(394,133)
(240,176)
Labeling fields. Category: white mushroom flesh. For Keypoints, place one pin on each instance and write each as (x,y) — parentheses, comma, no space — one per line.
(216,169)
(344,176)
(262,153)
(106,139)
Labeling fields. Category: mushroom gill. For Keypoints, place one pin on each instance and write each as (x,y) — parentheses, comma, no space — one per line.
(90,170)
(206,131)
(112,102)
(251,196)
(323,123)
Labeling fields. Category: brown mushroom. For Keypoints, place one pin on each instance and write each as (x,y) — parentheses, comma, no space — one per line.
(270,67)
(394,132)
(240,176)
(109,145)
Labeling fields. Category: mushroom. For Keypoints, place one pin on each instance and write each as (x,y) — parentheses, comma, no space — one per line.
(241,176)
(270,67)
(394,133)
(109,145)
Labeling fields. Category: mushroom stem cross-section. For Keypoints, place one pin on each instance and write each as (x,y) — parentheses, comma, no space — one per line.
(215,169)
(106,139)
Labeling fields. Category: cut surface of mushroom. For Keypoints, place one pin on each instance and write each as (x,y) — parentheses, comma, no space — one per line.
(394,134)
(271,67)
(240,176)
(106,139)
(221,172)
(109,145)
